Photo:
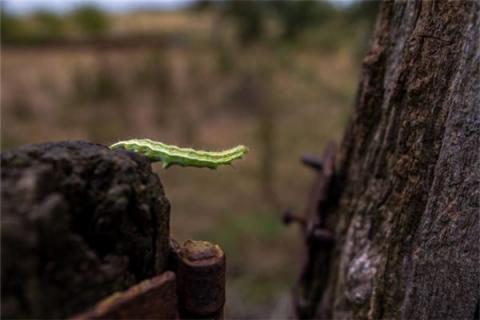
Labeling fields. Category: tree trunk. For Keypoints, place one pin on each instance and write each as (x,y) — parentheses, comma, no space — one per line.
(406,215)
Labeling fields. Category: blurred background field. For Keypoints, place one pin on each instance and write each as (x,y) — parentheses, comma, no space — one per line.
(279,77)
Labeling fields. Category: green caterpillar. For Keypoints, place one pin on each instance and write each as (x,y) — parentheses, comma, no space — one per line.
(170,155)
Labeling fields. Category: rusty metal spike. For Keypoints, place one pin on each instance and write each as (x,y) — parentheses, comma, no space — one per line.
(312,162)
(288,217)
(321,236)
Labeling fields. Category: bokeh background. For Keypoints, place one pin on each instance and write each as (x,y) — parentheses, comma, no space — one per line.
(277,76)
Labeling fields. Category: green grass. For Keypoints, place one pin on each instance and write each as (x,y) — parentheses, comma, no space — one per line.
(239,230)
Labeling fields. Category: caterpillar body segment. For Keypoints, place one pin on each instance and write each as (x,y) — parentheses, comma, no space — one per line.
(170,155)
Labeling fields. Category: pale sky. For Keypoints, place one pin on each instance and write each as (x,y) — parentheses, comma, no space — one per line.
(27,6)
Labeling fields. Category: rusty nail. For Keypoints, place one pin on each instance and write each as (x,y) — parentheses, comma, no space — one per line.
(312,162)
(201,280)
(289,217)
(321,236)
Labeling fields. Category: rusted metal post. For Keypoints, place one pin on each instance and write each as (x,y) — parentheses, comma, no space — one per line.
(201,280)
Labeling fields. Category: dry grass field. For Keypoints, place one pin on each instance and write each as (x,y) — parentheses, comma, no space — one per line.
(280,101)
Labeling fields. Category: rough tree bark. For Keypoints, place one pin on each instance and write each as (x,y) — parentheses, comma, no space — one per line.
(406,221)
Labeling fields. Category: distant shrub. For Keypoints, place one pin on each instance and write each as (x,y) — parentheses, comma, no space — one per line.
(365,10)
(297,16)
(249,18)
(48,25)
(90,20)
(292,17)
(202,5)
(12,29)
(361,17)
